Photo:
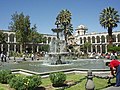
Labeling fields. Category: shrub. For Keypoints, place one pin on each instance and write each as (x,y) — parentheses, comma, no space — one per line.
(4,75)
(20,82)
(34,81)
(9,77)
(57,78)
(17,82)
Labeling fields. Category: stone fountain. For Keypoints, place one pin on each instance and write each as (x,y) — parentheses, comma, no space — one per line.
(57,51)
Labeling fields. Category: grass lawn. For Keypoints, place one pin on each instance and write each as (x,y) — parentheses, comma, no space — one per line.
(76,82)
(79,82)
(5,87)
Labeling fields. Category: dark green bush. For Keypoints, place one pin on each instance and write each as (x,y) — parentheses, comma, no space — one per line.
(4,75)
(57,78)
(9,77)
(20,82)
(34,81)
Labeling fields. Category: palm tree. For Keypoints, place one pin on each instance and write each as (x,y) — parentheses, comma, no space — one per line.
(64,21)
(86,46)
(108,19)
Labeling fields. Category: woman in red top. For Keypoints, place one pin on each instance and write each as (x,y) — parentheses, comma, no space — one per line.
(115,69)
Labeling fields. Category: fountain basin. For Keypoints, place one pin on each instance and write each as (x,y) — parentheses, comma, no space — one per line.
(85,64)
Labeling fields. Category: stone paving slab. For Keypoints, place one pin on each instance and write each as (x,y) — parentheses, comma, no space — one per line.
(112,88)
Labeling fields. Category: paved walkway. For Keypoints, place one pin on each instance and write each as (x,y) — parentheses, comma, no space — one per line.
(112,88)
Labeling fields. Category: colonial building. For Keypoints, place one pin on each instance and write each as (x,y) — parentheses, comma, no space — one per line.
(12,45)
(99,41)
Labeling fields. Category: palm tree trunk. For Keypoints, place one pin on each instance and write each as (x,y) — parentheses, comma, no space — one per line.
(110,35)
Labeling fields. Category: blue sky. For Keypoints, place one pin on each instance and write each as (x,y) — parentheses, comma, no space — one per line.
(43,12)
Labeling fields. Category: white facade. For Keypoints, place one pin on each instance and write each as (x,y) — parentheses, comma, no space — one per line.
(12,45)
(99,41)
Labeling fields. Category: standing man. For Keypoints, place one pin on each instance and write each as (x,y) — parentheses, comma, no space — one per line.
(115,69)
(32,56)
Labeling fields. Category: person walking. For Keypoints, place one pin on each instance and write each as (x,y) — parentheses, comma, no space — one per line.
(115,70)
(32,56)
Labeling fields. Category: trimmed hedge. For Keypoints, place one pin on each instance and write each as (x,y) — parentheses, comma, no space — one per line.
(20,82)
(5,76)
(57,78)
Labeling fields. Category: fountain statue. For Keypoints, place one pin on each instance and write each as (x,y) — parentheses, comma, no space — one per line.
(57,51)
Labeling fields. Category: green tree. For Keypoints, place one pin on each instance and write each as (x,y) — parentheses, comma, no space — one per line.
(86,46)
(2,37)
(113,48)
(64,21)
(34,36)
(21,25)
(109,18)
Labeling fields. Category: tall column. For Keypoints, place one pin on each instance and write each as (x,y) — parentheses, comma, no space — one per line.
(82,40)
(14,47)
(91,48)
(116,39)
(87,47)
(8,38)
(37,48)
(8,47)
(106,48)
(14,39)
(106,39)
(96,48)
(1,47)
(91,44)
(95,39)
(100,48)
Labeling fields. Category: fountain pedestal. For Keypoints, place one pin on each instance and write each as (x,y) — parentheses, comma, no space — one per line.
(57,53)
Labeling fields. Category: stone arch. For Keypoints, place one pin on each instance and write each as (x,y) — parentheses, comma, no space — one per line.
(94,50)
(89,49)
(114,38)
(93,39)
(118,36)
(11,37)
(103,49)
(6,37)
(98,48)
(80,40)
(11,47)
(5,48)
(102,39)
(49,39)
(89,40)
(98,39)
(54,38)
(45,40)
(84,39)
(107,37)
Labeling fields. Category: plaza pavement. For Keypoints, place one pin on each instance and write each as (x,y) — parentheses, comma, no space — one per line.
(112,88)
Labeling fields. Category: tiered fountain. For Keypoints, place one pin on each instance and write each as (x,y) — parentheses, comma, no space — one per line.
(57,52)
